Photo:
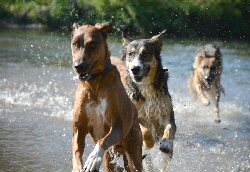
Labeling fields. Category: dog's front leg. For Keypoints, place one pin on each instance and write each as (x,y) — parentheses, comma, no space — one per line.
(148,140)
(94,160)
(166,144)
(216,108)
(202,96)
(78,144)
(79,131)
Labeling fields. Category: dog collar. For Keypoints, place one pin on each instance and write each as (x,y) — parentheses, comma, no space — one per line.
(93,76)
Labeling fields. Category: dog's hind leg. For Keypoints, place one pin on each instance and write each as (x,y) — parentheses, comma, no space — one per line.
(110,157)
(133,149)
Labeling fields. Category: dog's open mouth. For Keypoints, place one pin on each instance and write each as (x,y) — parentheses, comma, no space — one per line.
(138,78)
(85,76)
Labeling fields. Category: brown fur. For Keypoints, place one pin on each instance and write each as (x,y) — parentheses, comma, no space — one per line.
(206,75)
(102,107)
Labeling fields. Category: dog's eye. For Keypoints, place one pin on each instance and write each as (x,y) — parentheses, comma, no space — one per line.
(75,45)
(145,54)
(213,68)
(205,67)
(92,45)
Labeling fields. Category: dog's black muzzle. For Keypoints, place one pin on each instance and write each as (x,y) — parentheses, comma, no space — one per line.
(210,79)
(137,72)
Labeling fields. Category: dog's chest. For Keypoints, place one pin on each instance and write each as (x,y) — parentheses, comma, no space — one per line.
(154,108)
(96,115)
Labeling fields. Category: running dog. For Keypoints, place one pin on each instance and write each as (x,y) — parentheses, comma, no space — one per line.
(146,85)
(206,75)
(102,108)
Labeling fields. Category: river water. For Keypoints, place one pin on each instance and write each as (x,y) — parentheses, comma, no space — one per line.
(36,101)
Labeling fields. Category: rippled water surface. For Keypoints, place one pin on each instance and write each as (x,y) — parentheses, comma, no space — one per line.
(36,101)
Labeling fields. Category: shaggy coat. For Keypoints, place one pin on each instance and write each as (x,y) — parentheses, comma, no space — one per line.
(146,85)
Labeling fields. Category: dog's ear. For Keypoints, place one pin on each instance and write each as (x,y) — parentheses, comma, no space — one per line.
(126,39)
(75,26)
(158,38)
(217,53)
(104,27)
(200,54)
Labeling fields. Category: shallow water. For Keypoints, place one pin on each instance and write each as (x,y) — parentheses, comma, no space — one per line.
(36,101)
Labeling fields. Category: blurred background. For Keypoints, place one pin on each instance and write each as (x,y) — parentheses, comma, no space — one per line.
(181,18)
(37,86)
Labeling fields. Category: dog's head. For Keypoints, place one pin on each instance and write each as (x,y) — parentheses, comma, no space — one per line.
(89,48)
(142,57)
(208,63)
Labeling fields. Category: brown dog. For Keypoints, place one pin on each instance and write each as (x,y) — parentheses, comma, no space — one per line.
(102,107)
(146,85)
(206,75)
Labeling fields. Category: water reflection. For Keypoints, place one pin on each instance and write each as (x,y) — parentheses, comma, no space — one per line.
(36,100)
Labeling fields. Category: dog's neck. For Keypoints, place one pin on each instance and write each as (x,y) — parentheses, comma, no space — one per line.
(106,69)
(154,89)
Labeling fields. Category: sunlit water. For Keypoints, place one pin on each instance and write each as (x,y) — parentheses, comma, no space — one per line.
(36,101)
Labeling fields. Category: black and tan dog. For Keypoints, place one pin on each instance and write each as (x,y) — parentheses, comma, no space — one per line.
(146,85)
(206,75)
(102,107)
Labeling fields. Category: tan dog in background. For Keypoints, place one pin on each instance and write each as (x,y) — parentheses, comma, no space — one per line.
(206,76)
(102,108)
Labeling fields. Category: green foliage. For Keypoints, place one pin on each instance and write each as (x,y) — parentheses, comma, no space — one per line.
(187,18)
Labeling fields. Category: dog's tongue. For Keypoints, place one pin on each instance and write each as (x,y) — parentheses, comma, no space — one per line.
(76,77)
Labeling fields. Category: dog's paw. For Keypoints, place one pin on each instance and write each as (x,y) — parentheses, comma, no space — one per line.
(94,160)
(205,102)
(166,146)
(217,121)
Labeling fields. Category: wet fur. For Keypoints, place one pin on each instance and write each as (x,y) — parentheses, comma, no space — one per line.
(102,107)
(206,76)
(150,94)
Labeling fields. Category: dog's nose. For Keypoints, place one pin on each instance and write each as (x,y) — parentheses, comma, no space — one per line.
(136,70)
(78,65)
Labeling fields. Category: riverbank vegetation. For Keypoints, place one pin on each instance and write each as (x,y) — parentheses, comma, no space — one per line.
(181,18)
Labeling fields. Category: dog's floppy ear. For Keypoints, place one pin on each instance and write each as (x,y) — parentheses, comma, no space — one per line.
(158,38)
(104,27)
